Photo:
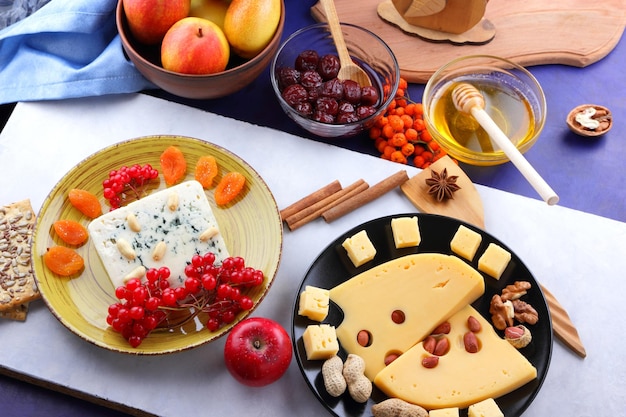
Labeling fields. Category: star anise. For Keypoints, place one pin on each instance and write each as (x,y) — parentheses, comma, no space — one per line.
(441,185)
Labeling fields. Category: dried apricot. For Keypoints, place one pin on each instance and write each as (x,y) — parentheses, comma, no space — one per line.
(173,165)
(229,187)
(86,202)
(63,261)
(206,170)
(71,232)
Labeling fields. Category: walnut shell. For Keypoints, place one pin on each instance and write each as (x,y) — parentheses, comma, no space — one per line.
(603,115)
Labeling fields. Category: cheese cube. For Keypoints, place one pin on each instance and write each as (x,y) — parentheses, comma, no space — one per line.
(444,412)
(485,408)
(494,260)
(465,242)
(179,230)
(406,232)
(320,341)
(314,303)
(360,248)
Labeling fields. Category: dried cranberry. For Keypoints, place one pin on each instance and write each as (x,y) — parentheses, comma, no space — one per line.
(304,108)
(322,117)
(310,79)
(351,91)
(347,118)
(328,66)
(346,107)
(307,60)
(294,94)
(327,105)
(365,111)
(332,88)
(287,76)
(369,96)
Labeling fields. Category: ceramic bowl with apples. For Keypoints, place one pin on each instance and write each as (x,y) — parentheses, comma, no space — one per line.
(200,49)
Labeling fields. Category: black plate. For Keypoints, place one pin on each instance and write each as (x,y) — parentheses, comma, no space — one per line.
(332,267)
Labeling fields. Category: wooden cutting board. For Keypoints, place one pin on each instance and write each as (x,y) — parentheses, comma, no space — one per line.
(528,32)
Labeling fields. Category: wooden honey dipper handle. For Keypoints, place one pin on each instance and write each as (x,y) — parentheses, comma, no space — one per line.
(468,99)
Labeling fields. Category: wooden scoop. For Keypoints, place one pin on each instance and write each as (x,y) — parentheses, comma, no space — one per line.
(467,206)
(468,99)
(349,70)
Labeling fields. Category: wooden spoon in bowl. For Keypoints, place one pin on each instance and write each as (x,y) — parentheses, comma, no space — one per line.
(349,70)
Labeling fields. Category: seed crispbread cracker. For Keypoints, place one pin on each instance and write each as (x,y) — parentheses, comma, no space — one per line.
(17,282)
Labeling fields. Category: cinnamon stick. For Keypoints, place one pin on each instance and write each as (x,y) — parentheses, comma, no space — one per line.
(310,199)
(314,211)
(365,196)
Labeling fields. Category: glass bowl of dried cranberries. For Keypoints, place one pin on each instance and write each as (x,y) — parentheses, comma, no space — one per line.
(304,78)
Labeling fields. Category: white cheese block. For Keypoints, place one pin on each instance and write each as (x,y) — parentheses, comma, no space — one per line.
(122,250)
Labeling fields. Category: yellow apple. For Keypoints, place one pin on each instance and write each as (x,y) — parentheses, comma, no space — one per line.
(213,10)
(194,45)
(249,25)
(149,20)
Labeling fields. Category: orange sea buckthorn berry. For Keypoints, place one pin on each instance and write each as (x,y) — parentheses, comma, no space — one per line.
(409,109)
(408,149)
(402,103)
(375,132)
(419,125)
(411,134)
(425,135)
(381,145)
(396,123)
(402,83)
(398,156)
(407,120)
(388,131)
(388,150)
(427,155)
(418,161)
(398,140)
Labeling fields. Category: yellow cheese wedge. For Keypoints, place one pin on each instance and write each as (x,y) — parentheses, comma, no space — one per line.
(460,379)
(313,303)
(465,242)
(424,288)
(444,412)
(494,260)
(320,341)
(406,232)
(360,248)
(485,408)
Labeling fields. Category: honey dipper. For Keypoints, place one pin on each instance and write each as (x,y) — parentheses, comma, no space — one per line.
(468,99)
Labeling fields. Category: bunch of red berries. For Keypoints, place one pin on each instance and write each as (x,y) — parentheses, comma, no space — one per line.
(127,181)
(217,290)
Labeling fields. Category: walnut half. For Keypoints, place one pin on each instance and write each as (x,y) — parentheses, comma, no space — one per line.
(524,312)
(500,313)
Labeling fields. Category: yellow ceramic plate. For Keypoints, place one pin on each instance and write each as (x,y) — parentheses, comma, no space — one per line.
(251,227)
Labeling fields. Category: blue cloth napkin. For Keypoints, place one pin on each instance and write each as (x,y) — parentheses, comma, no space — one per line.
(66,49)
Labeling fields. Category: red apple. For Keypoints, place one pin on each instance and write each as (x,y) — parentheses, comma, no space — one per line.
(149,20)
(194,45)
(258,351)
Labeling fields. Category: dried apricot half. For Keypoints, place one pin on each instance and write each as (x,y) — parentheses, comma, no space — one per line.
(229,187)
(71,232)
(63,261)
(86,202)
(206,170)
(173,165)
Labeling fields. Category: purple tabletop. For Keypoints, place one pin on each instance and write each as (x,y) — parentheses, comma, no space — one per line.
(584,172)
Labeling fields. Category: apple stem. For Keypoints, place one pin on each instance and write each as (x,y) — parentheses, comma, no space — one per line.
(200,32)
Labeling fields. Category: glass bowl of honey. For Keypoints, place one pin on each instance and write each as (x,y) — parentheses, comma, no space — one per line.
(513,99)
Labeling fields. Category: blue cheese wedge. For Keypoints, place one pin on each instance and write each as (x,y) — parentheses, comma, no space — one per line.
(166,228)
